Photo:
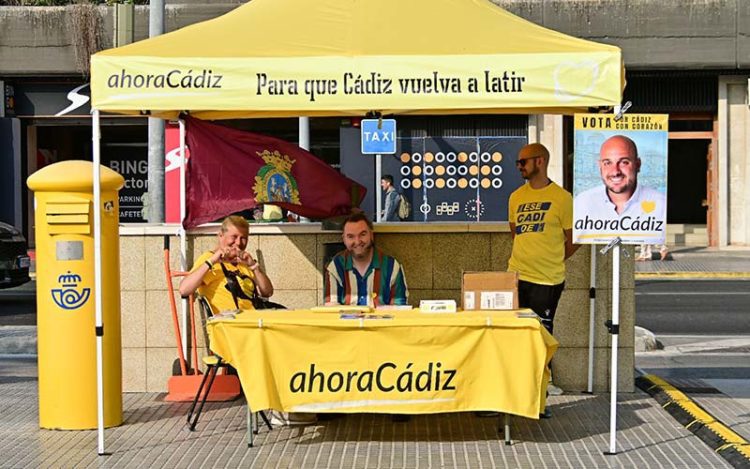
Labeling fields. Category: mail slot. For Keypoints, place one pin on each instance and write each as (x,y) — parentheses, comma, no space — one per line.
(66,334)
(68,215)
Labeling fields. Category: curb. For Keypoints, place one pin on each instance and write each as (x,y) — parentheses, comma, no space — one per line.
(691,275)
(725,441)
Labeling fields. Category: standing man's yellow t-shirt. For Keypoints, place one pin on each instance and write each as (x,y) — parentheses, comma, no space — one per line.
(540,216)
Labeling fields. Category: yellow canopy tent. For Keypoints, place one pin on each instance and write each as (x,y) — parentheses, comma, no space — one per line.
(273,58)
(281,58)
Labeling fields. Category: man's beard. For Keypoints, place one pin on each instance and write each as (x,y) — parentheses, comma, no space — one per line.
(363,251)
(627,188)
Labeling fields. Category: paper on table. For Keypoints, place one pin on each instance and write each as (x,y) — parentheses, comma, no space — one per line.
(394,307)
(341,309)
(365,316)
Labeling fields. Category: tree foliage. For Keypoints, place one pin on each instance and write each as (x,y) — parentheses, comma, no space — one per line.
(54,3)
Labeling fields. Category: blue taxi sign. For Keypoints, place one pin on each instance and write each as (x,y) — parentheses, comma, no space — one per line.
(378,136)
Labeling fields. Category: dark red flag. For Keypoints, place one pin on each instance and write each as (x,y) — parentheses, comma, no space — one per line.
(231,170)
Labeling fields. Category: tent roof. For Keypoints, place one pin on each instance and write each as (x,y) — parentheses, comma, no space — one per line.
(233,65)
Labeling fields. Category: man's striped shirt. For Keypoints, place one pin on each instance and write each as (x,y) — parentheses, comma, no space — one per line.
(342,283)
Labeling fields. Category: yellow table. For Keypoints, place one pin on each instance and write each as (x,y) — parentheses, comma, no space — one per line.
(412,363)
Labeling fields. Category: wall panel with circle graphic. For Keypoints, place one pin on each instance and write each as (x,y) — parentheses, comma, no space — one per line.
(446,178)
(456,178)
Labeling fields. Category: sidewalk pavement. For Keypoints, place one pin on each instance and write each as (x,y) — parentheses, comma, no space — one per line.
(698,263)
(154,435)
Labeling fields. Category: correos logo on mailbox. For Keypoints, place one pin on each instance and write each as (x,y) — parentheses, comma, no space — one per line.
(69,296)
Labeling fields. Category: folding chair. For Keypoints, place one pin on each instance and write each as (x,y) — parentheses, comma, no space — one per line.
(213,363)
(181,387)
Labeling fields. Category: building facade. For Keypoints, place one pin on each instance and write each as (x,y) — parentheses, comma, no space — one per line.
(687,58)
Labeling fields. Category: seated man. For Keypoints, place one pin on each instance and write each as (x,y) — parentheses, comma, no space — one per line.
(227,276)
(362,274)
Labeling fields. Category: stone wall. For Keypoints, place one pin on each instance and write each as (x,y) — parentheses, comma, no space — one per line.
(738,163)
(663,34)
(434,256)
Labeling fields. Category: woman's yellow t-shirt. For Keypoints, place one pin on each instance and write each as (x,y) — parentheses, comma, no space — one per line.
(214,285)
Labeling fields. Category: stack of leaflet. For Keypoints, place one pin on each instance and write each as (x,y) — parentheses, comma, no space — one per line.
(365,316)
(437,306)
(527,314)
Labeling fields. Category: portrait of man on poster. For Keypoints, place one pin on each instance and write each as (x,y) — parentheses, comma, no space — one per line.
(621,205)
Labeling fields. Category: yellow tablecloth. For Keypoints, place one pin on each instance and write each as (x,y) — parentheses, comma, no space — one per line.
(414,363)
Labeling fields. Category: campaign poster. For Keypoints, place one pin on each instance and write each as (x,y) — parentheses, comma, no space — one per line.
(620,178)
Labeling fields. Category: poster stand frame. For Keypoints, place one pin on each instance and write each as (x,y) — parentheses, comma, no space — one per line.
(613,326)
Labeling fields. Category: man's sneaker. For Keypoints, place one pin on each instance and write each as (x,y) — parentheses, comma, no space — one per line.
(292,418)
(546,414)
(553,390)
(486,413)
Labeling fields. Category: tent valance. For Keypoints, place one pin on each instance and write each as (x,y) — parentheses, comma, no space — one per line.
(274,58)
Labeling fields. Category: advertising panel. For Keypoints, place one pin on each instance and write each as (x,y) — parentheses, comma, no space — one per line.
(131,161)
(456,178)
(620,178)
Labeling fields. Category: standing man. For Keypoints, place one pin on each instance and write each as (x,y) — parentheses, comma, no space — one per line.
(390,211)
(541,221)
(362,274)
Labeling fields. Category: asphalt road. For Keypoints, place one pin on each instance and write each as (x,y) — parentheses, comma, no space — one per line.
(18,305)
(696,307)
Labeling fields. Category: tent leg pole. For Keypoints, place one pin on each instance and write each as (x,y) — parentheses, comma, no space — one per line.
(99,330)
(183,242)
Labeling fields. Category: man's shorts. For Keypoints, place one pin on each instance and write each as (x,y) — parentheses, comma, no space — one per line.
(542,299)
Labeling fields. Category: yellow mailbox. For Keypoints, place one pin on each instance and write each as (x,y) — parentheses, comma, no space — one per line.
(63,199)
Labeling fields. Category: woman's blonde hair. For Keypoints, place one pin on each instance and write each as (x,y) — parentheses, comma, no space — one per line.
(236,221)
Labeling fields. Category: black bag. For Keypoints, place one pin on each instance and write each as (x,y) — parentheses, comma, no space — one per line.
(262,303)
(234,288)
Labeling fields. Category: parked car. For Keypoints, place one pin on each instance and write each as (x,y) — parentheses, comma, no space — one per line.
(14,257)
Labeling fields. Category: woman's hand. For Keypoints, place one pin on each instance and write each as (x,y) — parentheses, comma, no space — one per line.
(246,258)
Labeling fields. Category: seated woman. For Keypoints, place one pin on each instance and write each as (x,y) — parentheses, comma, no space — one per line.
(228,275)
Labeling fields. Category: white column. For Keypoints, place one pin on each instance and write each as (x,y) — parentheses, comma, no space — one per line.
(304,133)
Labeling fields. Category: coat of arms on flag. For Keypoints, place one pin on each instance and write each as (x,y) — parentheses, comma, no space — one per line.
(274,181)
